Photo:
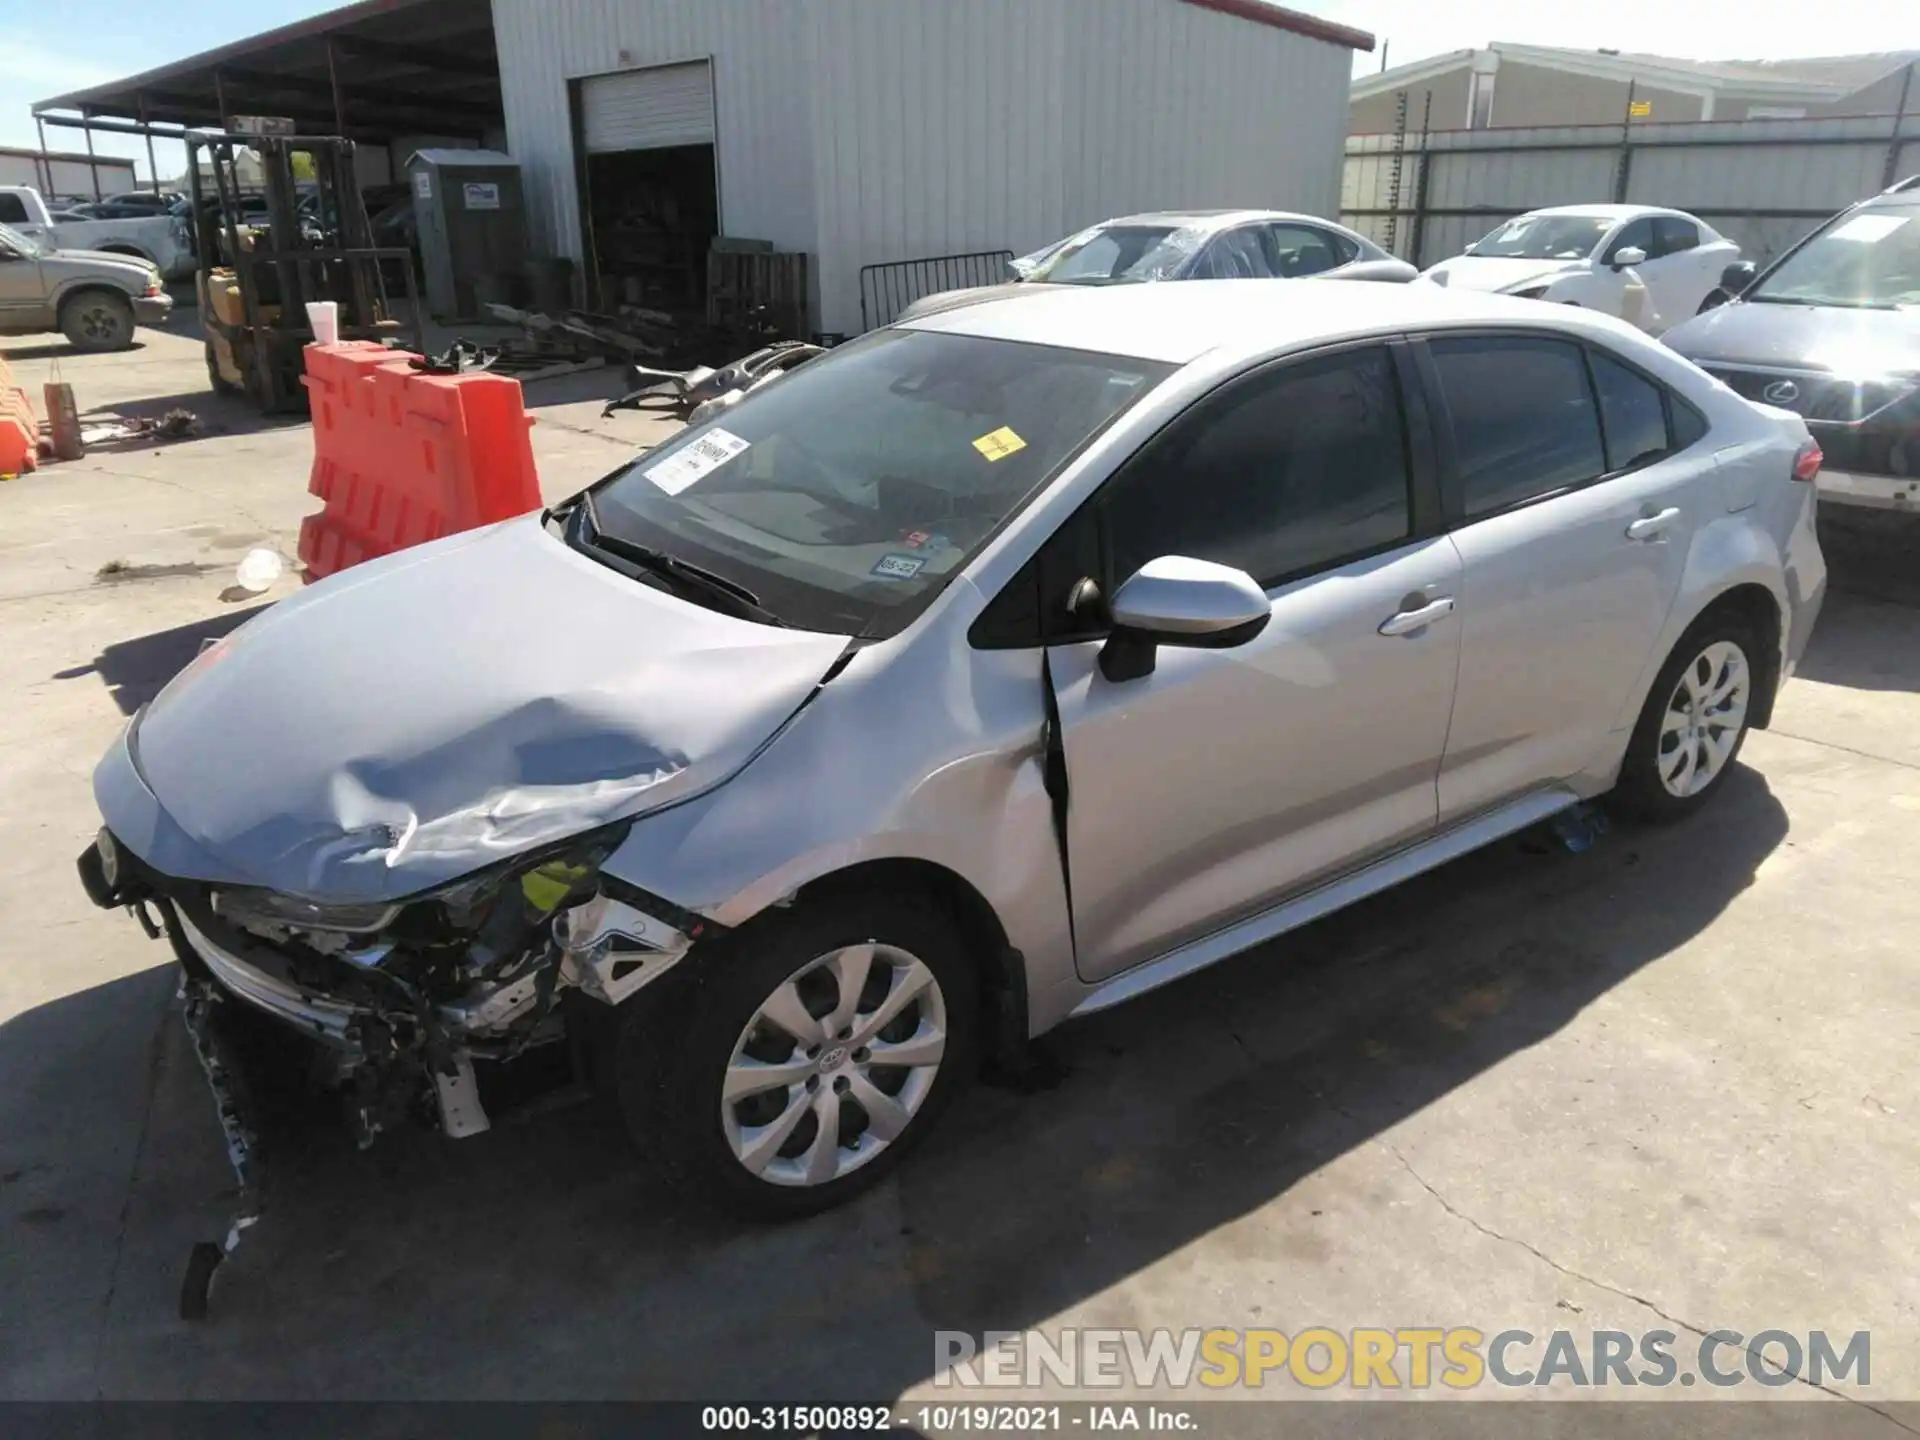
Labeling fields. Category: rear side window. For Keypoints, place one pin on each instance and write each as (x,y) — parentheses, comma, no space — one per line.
(1523,419)
(1288,472)
(1689,425)
(13,210)
(1633,414)
(1306,250)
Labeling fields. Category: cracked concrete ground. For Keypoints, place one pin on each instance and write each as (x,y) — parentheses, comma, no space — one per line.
(1666,1084)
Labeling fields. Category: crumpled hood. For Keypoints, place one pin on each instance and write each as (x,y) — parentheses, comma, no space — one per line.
(1813,337)
(1470,272)
(421,716)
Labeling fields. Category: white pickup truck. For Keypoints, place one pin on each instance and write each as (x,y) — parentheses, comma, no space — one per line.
(161,240)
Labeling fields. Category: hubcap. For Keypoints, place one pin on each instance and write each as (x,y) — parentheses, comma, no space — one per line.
(100,323)
(1703,719)
(834,1065)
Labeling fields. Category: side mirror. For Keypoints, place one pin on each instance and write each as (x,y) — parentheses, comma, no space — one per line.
(1738,276)
(1632,255)
(1180,601)
(1475,245)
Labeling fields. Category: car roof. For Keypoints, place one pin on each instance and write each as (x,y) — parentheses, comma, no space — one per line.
(1209,219)
(1176,324)
(1606,212)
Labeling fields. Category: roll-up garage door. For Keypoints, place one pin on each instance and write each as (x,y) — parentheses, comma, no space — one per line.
(648,109)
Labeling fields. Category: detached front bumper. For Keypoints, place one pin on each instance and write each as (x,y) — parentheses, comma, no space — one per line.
(1870,492)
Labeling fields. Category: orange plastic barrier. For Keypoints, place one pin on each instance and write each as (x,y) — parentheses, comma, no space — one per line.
(401,457)
(19,426)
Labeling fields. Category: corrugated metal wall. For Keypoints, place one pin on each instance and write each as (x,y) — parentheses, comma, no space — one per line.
(1762,183)
(884,130)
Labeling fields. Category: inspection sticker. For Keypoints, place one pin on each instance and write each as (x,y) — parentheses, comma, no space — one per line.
(998,444)
(709,452)
(898,567)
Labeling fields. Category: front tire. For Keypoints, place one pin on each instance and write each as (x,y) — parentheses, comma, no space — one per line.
(97,320)
(805,1056)
(1694,722)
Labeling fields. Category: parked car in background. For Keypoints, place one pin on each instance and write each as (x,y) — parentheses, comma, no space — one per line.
(133,205)
(94,299)
(161,240)
(992,669)
(1831,331)
(1189,245)
(1591,255)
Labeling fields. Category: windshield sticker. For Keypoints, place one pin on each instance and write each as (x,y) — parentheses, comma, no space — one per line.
(898,567)
(925,540)
(998,444)
(1869,228)
(709,452)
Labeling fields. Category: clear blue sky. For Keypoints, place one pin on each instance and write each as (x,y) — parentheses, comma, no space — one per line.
(48,47)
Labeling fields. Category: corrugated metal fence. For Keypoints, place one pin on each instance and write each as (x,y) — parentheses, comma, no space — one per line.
(1762,183)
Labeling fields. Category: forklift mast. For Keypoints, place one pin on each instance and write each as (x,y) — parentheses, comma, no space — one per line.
(262,258)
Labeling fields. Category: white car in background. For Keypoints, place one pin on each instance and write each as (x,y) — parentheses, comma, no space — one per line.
(1649,266)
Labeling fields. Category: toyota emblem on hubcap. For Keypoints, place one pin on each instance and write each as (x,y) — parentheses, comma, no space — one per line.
(834,1058)
(1781,392)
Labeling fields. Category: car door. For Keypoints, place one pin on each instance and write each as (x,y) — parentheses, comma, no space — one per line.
(23,305)
(1573,542)
(1213,787)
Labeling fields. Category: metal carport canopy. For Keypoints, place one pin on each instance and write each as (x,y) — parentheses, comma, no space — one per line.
(372,71)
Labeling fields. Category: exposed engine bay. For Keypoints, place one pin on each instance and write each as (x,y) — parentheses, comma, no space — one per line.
(400,998)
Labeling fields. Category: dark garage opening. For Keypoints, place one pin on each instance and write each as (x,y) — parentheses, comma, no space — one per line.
(651,215)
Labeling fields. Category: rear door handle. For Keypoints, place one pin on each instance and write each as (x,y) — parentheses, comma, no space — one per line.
(1652,527)
(1408,621)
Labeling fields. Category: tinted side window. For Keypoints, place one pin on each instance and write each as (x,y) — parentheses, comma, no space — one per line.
(1523,418)
(1632,413)
(13,210)
(1637,236)
(1689,425)
(1306,250)
(1671,236)
(1284,474)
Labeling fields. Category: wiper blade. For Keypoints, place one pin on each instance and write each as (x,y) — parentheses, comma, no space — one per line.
(734,598)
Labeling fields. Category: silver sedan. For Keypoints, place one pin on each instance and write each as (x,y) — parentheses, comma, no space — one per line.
(990,670)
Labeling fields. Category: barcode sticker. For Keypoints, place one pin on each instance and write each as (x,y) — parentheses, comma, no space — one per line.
(708,453)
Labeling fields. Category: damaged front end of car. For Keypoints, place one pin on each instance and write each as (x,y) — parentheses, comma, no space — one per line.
(400,998)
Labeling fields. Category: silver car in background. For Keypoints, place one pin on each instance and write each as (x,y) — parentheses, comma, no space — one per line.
(988,671)
(1188,245)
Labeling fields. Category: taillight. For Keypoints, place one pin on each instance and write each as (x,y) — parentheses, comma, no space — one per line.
(1806,464)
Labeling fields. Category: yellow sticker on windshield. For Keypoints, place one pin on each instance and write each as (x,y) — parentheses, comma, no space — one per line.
(999,444)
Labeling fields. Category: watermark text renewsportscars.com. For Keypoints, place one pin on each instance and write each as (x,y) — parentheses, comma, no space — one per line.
(1400,1358)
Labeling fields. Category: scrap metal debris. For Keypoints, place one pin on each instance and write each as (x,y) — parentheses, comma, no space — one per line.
(178,423)
(701,391)
(1578,826)
(203,1003)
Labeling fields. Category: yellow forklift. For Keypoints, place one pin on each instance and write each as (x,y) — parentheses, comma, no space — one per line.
(262,256)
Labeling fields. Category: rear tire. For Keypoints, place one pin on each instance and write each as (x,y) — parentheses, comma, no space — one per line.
(1694,722)
(97,320)
(757,1081)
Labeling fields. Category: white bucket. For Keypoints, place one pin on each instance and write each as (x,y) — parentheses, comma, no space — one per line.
(324,317)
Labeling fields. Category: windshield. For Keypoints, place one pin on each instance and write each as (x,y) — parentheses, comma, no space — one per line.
(844,496)
(1869,260)
(18,242)
(1545,237)
(1117,255)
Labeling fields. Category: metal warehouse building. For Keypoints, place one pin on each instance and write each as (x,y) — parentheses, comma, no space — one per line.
(869,132)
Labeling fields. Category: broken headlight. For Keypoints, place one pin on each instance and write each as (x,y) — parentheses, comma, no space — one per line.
(249,907)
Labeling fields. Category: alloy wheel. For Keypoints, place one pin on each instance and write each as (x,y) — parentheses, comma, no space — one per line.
(1704,719)
(834,1065)
(101,324)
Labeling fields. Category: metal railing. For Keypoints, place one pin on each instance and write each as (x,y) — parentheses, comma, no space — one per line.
(886,290)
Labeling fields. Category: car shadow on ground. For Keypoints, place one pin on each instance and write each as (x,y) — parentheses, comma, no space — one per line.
(541,1258)
(59,350)
(134,671)
(1870,553)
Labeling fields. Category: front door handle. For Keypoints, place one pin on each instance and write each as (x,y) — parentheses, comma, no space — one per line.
(1408,621)
(1652,527)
